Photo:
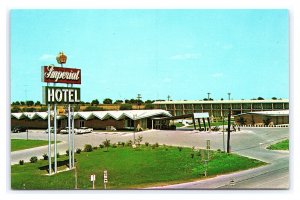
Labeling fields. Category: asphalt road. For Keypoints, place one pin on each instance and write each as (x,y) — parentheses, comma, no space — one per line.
(249,142)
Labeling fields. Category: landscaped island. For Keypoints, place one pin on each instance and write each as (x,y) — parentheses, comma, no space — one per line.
(128,167)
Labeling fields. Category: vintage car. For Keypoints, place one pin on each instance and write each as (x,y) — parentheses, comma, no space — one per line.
(66,130)
(84,130)
(52,130)
(19,129)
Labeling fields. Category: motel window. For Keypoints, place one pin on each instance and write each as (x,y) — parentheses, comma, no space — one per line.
(236,106)
(278,106)
(207,106)
(267,106)
(226,106)
(162,106)
(178,113)
(188,106)
(216,106)
(197,106)
(169,107)
(246,106)
(286,106)
(178,106)
(256,106)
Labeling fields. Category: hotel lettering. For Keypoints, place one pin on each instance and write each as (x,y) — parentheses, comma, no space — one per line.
(61,95)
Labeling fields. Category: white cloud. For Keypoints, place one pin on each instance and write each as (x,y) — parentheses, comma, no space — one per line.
(217,75)
(186,56)
(47,57)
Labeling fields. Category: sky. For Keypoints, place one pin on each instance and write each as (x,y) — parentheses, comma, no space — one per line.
(182,53)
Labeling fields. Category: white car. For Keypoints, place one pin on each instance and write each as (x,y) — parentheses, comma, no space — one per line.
(66,130)
(84,130)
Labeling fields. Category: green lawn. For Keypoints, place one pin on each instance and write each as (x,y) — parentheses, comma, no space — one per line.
(129,168)
(20,144)
(283,145)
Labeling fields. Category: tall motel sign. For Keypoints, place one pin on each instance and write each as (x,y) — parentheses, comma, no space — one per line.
(53,95)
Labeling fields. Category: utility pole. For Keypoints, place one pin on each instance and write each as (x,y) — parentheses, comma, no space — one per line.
(228,131)
(139,98)
(208,96)
(229,95)
(169,97)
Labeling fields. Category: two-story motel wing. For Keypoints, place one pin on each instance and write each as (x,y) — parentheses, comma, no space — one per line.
(220,108)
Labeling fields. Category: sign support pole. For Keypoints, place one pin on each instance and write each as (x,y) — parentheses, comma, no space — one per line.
(73,136)
(55,146)
(49,138)
(69,137)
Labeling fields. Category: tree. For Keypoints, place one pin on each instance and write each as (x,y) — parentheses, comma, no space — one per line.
(139,140)
(95,102)
(149,106)
(15,110)
(126,106)
(106,144)
(37,103)
(149,101)
(93,108)
(107,101)
(274,98)
(29,103)
(22,103)
(267,120)
(118,102)
(260,98)
(241,120)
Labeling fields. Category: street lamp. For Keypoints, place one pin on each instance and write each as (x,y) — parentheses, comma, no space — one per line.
(229,95)
(208,96)
(134,118)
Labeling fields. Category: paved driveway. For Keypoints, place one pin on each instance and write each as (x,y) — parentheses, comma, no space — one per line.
(249,142)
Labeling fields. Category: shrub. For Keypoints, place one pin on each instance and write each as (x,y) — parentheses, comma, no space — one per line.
(125,106)
(21,162)
(119,143)
(101,146)
(129,143)
(123,144)
(219,151)
(33,159)
(95,148)
(88,148)
(156,144)
(179,148)
(192,155)
(139,140)
(57,155)
(153,146)
(106,144)
(147,144)
(67,152)
(78,151)
(45,156)
(114,145)
(172,127)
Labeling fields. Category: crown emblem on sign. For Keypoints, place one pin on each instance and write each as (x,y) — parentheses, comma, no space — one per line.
(61,58)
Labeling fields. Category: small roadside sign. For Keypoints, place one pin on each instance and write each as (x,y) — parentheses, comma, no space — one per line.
(105,178)
(93,177)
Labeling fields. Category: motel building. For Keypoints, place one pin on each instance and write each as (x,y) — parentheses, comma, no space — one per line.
(99,120)
(218,109)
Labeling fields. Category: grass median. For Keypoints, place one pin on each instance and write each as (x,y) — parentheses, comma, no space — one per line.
(21,144)
(130,168)
(283,145)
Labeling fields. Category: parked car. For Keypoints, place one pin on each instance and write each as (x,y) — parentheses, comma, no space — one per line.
(84,130)
(52,130)
(66,130)
(19,129)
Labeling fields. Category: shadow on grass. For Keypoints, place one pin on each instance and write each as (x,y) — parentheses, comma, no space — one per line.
(59,164)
